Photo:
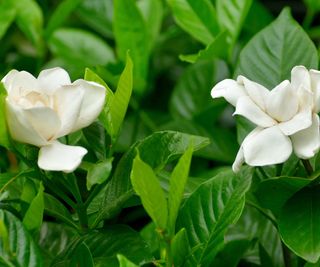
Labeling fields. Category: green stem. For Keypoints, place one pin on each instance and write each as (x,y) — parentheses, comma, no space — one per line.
(308,167)
(169,260)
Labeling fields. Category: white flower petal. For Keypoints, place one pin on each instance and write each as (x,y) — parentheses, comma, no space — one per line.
(7,80)
(282,102)
(257,92)
(315,84)
(20,128)
(248,109)
(229,89)
(92,104)
(306,143)
(300,77)
(44,120)
(266,147)
(20,83)
(68,101)
(236,166)
(60,157)
(52,79)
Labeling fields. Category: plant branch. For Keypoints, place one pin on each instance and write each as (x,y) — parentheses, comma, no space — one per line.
(307,165)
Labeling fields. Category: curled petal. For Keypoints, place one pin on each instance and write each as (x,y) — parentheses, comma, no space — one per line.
(300,78)
(248,109)
(52,79)
(60,157)
(315,83)
(257,92)
(283,102)
(92,104)
(228,89)
(306,143)
(20,127)
(8,79)
(236,166)
(267,146)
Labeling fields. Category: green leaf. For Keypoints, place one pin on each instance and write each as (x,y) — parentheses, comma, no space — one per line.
(106,244)
(80,47)
(178,182)
(98,173)
(29,19)
(124,262)
(82,256)
(4,134)
(33,218)
(180,247)
(191,95)
(299,224)
(60,14)
(7,178)
(231,16)
(8,13)
(22,249)
(273,193)
(271,54)
(97,14)
(156,150)
(147,186)
(198,18)
(208,213)
(131,34)
(120,101)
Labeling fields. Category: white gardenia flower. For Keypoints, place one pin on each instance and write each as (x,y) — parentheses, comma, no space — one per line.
(286,117)
(40,110)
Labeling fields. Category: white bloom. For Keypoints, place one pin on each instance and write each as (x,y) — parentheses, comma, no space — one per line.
(286,117)
(40,110)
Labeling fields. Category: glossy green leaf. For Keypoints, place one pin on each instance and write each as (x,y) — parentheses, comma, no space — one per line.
(299,224)
(80,46)
(22,249)
(271,54)
(180,247)
(218,204)
(82,256)
(98,173)
(191,95)
(98,15)
(29,19)
(231,16)
(124,262)
(60,14)
(130,31)
(178,182)
(147,186)
(120,102)
(198,18)
(8,13)
(33,218)
(273,193)
(156,150)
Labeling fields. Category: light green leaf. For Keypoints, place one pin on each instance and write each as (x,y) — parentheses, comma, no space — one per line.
(4,133)
(22,249)
(60,14)
(302,236)
(131,34)
(180,247)
(29,19)
(271,54)
(147,186)
(80,47)
(99,172)
(218,204)
(178,182)
(120,102)
(198,18)
(8,13)
(231,16)
(33,218)
(124,262)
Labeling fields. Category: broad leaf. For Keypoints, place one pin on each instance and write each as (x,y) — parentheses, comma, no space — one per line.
(271,54)
(198,18)
(208,213)
(299,224)
(22,250)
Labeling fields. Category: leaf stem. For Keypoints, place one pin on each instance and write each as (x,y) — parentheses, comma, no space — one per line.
(308,167)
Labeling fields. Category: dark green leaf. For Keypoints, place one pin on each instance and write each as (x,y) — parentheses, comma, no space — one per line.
(82,256)
(271,54)
(218,204)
